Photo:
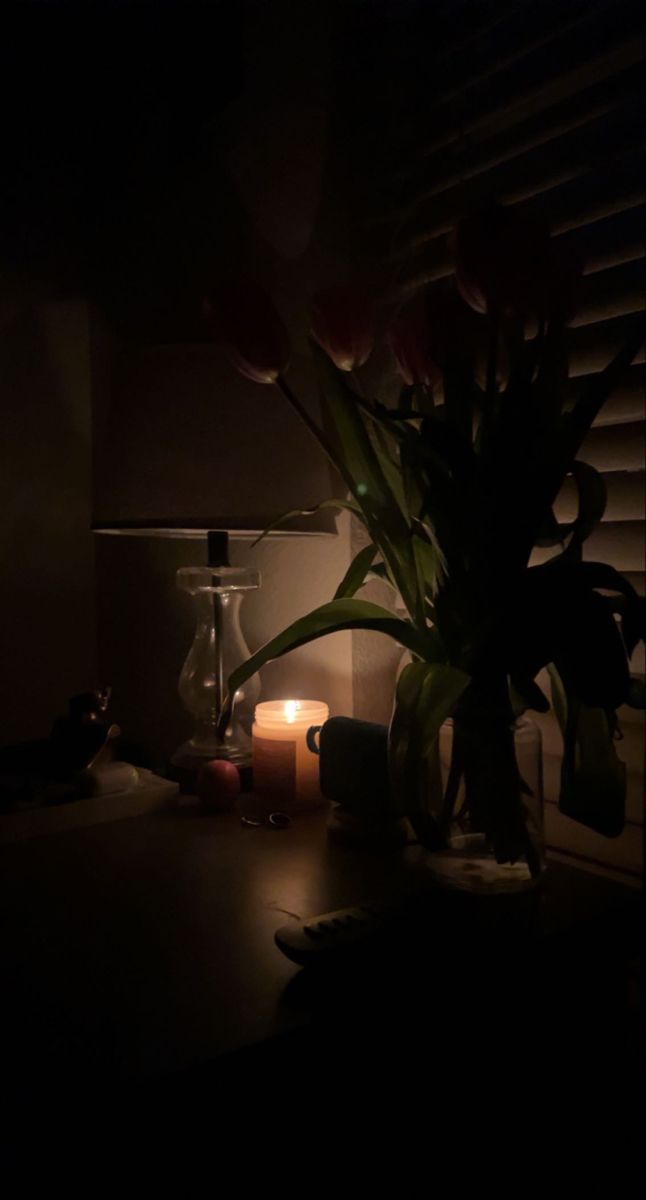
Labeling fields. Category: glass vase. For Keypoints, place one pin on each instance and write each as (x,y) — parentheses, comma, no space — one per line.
(470,862)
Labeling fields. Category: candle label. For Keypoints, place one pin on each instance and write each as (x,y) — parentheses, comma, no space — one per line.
(274,766)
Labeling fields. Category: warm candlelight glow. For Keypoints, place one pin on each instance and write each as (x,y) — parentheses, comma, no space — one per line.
(285,757)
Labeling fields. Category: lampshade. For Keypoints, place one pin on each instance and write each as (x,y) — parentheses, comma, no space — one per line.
(187,445)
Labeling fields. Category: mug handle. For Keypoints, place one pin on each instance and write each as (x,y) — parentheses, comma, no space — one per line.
(310,738)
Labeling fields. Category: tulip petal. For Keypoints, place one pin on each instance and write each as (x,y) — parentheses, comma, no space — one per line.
(343,325)
(244,321)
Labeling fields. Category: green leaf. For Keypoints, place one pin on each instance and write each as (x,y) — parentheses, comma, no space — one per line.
(359,464)
(578,422)
(439,499)
(355,575)
(592,504)
(333,617)
(524,694)
(563,573)
(379,571)
(558,616)
(414,484)
(430,564)
(349,505)
(427,694)
(551,533)
(559,697)
(632,614)
(459,396)
(593,777)
(552,374)
(595,575)
(390,468)
(591,489)
(354,449)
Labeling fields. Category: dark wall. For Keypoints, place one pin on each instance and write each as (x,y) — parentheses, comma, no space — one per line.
(146,146)
(47,619)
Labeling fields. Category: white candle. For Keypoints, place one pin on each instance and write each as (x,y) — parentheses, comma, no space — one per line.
(285,767)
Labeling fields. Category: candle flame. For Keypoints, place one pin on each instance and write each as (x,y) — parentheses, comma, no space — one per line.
(291,708)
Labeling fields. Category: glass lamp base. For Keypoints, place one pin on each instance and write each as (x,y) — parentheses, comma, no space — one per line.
(189,758)
(218,648)
(197,751)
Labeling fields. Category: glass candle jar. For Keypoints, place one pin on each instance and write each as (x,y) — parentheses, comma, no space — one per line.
(285,753)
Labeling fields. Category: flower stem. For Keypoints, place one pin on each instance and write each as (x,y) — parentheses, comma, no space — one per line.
(492,358)
(357,384)
(314,429)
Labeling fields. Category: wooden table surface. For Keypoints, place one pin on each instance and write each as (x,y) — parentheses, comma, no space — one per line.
(145,947)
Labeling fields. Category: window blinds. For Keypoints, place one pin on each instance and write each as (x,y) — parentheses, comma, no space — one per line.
(542,107)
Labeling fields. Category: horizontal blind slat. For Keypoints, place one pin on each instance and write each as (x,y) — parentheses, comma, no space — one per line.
(537,172)
(601,191)
(614,240)
(613,293)
(627,403)
(579,121)
(592,347)
(526,97)
(615,447)
(621,544)
(501,75)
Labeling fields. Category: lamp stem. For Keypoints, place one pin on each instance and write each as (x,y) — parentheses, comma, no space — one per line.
(219,664)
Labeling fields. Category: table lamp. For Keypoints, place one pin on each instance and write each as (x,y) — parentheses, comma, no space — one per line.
(186,448)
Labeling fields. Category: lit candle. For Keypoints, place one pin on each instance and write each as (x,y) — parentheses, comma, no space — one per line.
(285,755)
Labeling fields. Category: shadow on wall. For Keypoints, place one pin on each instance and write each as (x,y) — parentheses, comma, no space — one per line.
(47,631)
(146,626)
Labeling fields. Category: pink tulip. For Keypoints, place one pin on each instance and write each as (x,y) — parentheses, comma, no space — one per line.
(343,325)
(246,324)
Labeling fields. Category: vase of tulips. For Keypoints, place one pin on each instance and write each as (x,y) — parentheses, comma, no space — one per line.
(455,483)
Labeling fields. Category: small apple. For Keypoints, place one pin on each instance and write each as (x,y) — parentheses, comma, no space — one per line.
(218,785)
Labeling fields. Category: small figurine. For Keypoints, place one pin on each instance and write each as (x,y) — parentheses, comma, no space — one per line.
(75,761)
(85,738)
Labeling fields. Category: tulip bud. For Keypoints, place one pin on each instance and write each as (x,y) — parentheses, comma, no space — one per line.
(343,325)
(246,324)
(500,261)
(409,338)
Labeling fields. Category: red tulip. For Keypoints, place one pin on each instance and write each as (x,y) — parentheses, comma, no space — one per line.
(343,324)
(501,260)
(409,338)
(246,324)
